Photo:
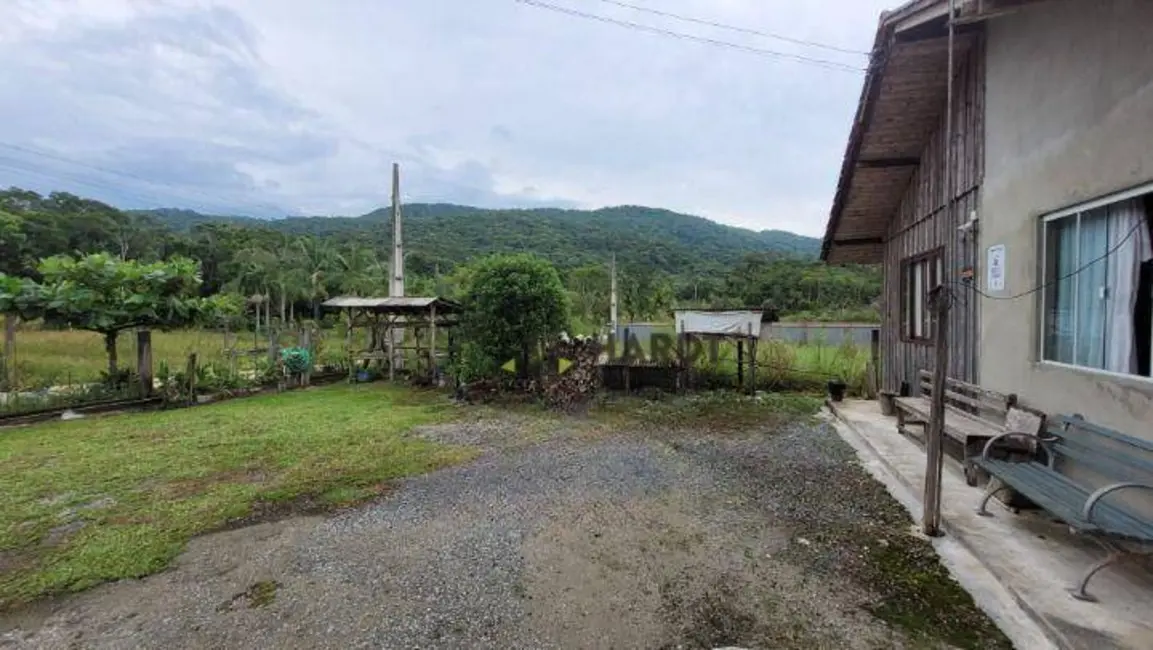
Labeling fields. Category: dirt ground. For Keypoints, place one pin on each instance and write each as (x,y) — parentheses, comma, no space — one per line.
(561,535)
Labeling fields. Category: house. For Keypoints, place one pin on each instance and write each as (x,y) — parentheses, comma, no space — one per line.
(1045,249)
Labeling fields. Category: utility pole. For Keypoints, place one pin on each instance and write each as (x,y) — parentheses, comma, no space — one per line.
(396,285)
(939,302)
(613,296)
(396,270)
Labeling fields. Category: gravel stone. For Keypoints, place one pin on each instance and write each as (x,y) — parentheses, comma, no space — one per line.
(630,540)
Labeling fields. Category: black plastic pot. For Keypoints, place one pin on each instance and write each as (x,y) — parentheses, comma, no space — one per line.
(837,390)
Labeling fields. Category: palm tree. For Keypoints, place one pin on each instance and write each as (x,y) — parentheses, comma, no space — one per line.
(319,263)
(253,277)
(359,272)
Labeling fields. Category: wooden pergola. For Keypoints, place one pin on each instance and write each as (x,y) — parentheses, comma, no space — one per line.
(386,320)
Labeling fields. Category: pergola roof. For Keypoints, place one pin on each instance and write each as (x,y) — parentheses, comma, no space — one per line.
(394,305)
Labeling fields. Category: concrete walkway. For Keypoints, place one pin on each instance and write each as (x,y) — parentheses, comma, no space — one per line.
(1018,567)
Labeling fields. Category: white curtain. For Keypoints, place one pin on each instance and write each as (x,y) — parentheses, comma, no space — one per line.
(1092,283)
(1129,242)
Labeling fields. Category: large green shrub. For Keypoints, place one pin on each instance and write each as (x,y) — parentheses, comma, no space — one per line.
(513,304)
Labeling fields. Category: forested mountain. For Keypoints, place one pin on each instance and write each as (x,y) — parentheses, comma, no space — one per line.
(664,259)
(665,241)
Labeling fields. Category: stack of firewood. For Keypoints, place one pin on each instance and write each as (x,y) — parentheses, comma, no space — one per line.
(581,378)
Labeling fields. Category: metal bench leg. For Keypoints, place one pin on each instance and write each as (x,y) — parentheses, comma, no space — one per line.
(1115,555)
(989,492)
(1079,592)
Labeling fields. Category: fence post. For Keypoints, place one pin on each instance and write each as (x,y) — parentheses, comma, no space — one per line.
(144,361)
(8,363)
(190,376)
(752,362)
(433,371)
(740,364)
(682,372)
(452,359)
(306,343)
(273,343)
(627,357)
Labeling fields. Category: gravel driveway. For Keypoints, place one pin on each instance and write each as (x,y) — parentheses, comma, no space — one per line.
(770,538)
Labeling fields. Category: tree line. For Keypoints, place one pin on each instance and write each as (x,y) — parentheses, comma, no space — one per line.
(285,269)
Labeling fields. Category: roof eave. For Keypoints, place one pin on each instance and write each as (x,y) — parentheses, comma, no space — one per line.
(869,88)
(912,14)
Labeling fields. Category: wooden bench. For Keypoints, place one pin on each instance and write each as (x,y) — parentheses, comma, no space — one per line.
(1123,462)
(973,416)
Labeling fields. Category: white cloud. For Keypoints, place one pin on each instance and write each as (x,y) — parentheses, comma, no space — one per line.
(293,105)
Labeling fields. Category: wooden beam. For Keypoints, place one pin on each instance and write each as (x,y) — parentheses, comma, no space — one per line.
(884,163)
(933,30)
(860,241)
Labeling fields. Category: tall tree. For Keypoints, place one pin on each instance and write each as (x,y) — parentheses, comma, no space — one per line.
(12,242)
(20,298)
(104,294)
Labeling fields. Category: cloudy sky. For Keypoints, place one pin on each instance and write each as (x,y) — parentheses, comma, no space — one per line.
(271,107)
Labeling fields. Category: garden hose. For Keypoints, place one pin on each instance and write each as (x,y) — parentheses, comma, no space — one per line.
(296,361)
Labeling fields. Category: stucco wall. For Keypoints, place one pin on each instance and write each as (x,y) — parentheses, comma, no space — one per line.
(1069,117)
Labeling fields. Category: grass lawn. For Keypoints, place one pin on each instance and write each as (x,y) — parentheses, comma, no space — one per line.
(101,499)
(47,358)
(56,358)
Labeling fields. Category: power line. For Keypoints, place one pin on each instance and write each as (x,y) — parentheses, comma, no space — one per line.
(123,174)
(1046,285)
(89,183)
(798,58)
(734,28)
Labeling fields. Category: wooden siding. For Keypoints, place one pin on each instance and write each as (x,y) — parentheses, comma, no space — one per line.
(922,223)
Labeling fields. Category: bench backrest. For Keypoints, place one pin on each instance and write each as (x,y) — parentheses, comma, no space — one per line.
(971,398)
(1114,456)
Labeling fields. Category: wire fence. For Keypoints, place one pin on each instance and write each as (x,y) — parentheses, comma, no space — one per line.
(62,368)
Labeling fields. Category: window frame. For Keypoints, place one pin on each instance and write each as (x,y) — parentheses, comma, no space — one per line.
(1042,303)
(908,301)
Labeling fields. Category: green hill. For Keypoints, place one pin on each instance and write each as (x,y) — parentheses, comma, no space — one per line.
(664,258)
(444,233)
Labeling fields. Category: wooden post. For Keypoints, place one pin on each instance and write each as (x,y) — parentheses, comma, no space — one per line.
(306,343)
(752,361)
(939,298)
(741,364)
(273,343)
(190,377)
(452,359)
(8,363)
(391,350)
(935,436)
(432,371)
(680,362)
(144,361)
(348,351)
(417,333)
(627,358)
(230,344)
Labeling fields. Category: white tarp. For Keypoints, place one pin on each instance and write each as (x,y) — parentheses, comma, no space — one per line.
(724,323)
